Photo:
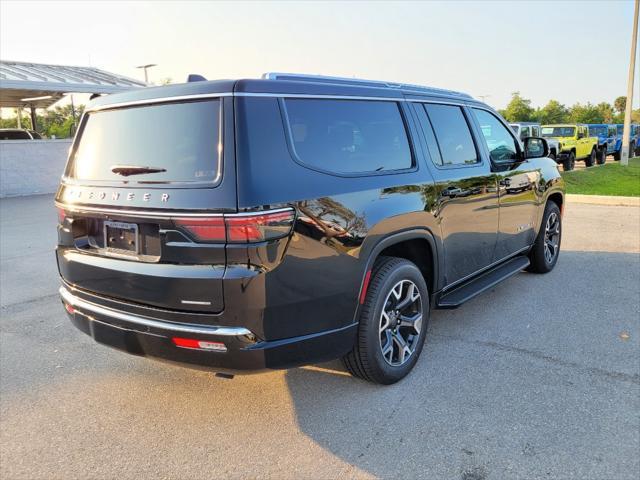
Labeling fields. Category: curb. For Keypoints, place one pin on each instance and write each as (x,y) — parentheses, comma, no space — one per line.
(604,200)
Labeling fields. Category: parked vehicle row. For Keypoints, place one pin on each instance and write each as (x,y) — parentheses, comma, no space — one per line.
(294,219)
(590,143)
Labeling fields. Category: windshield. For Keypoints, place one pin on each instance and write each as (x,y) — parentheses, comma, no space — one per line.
(171,142)
(598,131)
(558,131)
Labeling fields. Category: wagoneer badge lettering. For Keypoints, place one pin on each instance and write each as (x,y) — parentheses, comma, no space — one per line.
(78,194)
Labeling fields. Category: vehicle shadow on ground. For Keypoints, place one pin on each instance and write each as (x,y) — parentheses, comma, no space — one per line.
(500,388)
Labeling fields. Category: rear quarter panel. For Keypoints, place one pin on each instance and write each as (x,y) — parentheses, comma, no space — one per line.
(340,220)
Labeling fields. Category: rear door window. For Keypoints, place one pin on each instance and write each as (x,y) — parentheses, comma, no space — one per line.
(348,136)
(159,143)
(452,135)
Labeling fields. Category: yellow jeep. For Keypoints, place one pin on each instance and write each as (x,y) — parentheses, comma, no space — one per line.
(574,143)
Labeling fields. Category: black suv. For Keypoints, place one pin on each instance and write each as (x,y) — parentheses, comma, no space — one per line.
(268,223)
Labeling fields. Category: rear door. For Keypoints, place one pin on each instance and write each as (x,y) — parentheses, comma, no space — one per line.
(466,189)
(141,182)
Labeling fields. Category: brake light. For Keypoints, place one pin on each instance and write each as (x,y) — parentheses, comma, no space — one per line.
(240,228)
(199,344)
(62,215)
(69,308)
(204,229)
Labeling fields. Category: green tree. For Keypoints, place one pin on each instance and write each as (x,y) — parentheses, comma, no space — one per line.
(587,113)
(519,109)
(59,121)
(606,110)
(620,104)
(552,112)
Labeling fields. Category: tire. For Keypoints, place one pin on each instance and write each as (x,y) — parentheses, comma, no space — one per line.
(546,249)
(378,354)
(569,162)
(591,159)
(602,157)
(616,155)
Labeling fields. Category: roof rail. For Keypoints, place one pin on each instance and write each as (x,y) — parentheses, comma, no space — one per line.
(301,77)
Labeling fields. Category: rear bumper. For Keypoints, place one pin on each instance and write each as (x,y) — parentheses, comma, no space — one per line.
(146,336)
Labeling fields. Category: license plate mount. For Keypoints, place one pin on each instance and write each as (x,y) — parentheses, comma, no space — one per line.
(121,238)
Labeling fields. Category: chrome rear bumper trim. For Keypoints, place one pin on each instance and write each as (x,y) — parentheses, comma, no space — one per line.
(83,305)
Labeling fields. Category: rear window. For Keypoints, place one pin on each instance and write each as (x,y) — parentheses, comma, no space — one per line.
(14,135)
(348,136)
(164,143)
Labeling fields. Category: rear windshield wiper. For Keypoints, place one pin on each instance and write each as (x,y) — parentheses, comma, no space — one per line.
(126,170)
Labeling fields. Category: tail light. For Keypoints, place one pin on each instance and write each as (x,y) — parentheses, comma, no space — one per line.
(61,215)
(240,228)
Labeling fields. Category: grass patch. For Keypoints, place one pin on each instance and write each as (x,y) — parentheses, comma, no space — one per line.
(610,179)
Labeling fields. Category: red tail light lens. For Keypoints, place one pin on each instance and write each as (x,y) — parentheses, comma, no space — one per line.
(204,229)
(61,215)
(258,228)
(240,228)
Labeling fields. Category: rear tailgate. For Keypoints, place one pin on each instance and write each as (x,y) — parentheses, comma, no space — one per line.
(133,172)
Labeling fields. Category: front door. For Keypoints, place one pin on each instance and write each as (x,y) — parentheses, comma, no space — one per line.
(517,183)
(467,205)
(583,149)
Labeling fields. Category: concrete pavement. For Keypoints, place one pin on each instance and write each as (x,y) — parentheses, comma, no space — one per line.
(539,378)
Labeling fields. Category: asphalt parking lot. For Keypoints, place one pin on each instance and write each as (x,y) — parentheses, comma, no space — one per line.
(539,378)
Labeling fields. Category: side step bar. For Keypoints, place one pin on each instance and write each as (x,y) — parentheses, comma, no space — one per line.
(477,285)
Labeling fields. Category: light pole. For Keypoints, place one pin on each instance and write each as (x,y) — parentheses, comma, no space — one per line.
(626,132)
(145,68)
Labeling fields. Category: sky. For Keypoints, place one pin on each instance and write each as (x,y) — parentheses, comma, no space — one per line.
(571,51)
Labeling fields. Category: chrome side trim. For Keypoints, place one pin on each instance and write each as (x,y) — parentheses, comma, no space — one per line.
(74,301)
(484,269)
(326,97)
(162,213)
(150,101)
(158,100)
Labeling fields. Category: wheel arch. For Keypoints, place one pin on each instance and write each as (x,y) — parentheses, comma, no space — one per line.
(416,245)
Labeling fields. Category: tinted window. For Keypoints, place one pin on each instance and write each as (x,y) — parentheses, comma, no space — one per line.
(525,133)
(535,131)
(183,139)
(501,144)
(452,134)
(348,136)
(14,135)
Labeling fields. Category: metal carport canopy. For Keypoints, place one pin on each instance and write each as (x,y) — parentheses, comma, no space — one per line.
(22,80)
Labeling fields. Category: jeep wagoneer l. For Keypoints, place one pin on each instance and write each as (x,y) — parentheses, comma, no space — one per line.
(268,223)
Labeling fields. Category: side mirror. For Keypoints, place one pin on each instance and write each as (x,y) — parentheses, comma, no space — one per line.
(535,147)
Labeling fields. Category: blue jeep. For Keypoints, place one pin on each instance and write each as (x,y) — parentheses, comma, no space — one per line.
(634,141)
(606,135)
